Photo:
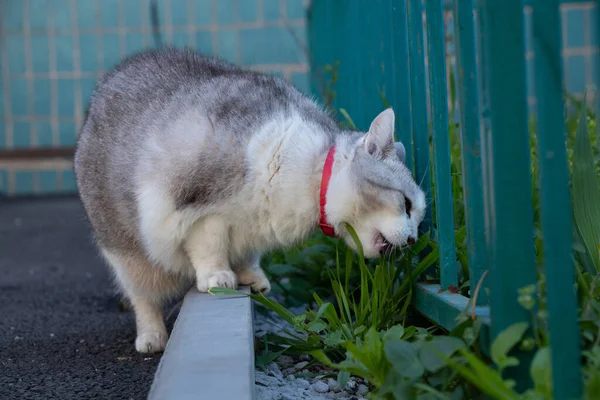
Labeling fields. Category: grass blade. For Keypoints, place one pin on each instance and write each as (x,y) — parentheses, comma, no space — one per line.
(586,190)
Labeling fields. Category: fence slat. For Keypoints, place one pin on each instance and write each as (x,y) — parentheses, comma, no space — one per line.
(385,55)
(377,60)
(419,104)
(467,78)
(371,101)
(402,79)
(556,202)
(350,75)
(341,55)
(320,45)
(596,23)
(438,101)
(507,177)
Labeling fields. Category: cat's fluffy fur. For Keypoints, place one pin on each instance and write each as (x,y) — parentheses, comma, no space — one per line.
(189,167)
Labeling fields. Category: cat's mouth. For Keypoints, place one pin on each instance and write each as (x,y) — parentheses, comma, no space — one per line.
(382,244)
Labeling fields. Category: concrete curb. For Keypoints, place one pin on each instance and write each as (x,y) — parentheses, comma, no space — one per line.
(210,353)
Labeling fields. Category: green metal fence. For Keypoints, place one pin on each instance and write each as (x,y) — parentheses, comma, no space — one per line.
(381,50)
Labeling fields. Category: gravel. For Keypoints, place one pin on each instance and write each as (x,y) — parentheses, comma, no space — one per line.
(320,387)
(362,390)
(293,378)
(333,385)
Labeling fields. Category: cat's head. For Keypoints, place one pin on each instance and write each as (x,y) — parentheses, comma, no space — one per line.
(372,190)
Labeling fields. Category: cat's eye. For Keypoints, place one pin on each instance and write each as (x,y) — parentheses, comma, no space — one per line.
(407,205)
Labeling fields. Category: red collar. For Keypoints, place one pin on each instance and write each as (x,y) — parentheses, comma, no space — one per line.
(326,227)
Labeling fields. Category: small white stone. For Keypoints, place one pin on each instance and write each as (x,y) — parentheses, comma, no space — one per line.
(305,357)
(285,361)
(362,390)
(265,380)
(320,387)
(274,370)
(333,385)
(291,378)
(301,365)
(303,383)
(351,386)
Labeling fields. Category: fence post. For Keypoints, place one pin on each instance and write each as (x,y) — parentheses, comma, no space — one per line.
(507,179)
(419,104)
(467,78)
(346,56)
(438,100)
(556,202)
(403,113)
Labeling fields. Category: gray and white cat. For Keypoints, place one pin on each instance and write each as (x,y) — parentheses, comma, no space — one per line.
(189,168)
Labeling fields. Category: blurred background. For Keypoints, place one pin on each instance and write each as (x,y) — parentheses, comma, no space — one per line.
(53,52)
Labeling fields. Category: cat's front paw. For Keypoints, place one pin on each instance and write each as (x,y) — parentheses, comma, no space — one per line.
(219,279)
(151,342)
(256,278)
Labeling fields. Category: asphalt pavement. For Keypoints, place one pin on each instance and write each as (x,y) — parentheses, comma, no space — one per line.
(62,333)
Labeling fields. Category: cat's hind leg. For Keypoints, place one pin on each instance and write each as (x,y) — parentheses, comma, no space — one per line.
(147,288)
(250,273)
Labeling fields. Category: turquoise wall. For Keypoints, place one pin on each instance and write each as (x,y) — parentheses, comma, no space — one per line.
(53,51)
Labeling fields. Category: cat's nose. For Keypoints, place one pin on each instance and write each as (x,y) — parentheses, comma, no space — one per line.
(410,241)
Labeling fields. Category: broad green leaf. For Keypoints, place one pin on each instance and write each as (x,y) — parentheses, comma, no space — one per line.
(505,341)
(323,309)
(317,326)
(432,353)
(586,189)
(404,358)
(395,385)
(334,338)
(409,332)
(372,339)
(343,378)
(395,332)
(541,371)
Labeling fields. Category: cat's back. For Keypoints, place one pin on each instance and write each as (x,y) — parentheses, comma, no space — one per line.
(143,86)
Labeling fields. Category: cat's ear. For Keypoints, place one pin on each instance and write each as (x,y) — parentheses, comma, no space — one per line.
(401,152)
(379,140)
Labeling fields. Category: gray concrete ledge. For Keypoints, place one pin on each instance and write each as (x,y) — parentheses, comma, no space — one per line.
(210,354)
